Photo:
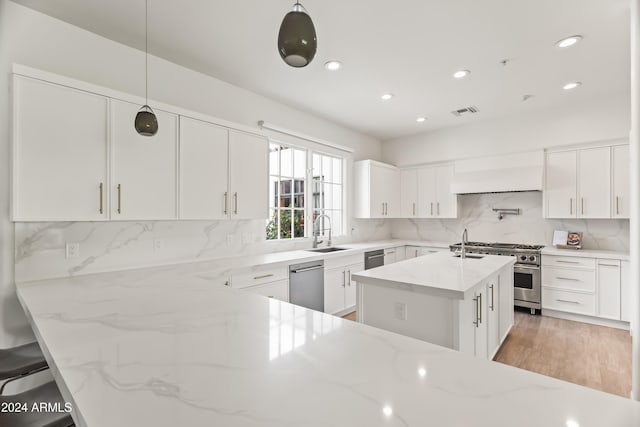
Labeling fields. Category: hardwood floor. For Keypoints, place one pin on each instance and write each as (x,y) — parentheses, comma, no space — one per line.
(581,353)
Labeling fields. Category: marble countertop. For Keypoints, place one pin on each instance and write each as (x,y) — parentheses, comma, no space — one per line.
(163,347)
(439,274)
(586,253)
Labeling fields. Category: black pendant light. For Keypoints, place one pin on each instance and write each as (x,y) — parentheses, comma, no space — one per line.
(297,42)
(146,123)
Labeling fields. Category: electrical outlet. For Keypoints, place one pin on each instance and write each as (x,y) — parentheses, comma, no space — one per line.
(72,250)
(158,244)
(400,311)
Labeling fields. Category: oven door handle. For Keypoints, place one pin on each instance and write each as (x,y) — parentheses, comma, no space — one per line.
(525,267)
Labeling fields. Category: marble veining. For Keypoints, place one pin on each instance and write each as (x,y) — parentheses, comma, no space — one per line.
(164,347)
(475,214)
(117,245)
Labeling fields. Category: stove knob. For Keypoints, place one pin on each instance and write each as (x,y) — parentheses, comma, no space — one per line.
(523,257)
(532,258)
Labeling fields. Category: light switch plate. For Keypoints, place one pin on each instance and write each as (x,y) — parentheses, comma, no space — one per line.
(72,250)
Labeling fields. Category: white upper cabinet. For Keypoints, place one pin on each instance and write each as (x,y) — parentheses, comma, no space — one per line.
(620,177)
(203,170)
(376,190)
(435,199)
(59,153)
(587,183)
(144,169)
(248,176)
(409,193)
(561,181)
(594,183)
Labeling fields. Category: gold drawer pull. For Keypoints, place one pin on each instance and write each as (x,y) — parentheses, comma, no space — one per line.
(568,278)
(264,276)
(567,301)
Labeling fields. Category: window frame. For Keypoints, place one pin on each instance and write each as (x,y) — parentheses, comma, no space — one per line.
(308,189)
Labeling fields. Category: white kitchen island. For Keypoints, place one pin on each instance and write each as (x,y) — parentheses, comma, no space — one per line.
(463,304)
(166,347)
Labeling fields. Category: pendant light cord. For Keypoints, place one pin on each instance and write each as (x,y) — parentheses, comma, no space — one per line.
(146,52)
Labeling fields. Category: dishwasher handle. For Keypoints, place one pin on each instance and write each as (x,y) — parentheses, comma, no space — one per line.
(302,270)
(375,256)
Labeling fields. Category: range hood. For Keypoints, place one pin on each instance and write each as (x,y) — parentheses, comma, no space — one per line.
(499,174)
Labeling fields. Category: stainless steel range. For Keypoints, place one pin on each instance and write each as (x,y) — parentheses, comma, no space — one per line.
(526,271)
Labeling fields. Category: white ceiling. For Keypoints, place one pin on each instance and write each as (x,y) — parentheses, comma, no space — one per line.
(407,47)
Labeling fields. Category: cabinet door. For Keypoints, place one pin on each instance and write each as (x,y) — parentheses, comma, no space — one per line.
(409,193)
(625,292)
(203,170)
(60,153)
(608,272)
(411,252)
(620,174)
(392,209)
(560,186)
(144,180)
(277,290)
(389,256)
(427,197)
(334,289)
(447,202)
(594,183)
(350,290)
(377,190)
(249,179)
(506,310)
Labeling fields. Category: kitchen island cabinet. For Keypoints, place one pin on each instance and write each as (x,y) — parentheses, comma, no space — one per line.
(442,299)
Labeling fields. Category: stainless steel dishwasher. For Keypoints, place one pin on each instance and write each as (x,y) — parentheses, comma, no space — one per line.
(373,259)
(306,285)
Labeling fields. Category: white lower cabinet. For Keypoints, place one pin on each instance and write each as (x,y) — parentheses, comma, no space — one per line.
(473,324)
(277,290)
(625,291)
(392,255)
(586,286)
(339,288)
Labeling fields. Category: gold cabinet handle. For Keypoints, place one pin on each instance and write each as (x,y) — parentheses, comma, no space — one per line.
(582,205)
(264,276)
(438,208)
(226,202)
(386,209)
(567,301)
(570,279)
(431,208)
(491,306)
(344,278)
(235,203)
(476,321)
(382,209)
(617,205)
(101,191)
(119,198)
(414,208)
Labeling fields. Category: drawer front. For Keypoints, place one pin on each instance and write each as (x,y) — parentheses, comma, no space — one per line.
(259,275)
(428,250)
(277,290)
(568,261)
(571,302)
(569,279)
(341,261)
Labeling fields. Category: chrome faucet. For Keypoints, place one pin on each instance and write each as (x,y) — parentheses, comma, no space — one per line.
(316,226)
(465,240)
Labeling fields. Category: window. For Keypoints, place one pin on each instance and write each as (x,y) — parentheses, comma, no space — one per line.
(287,179)
(289,189)
(327,193)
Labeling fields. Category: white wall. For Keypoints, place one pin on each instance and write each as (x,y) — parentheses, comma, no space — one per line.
(599,120)
(31,38)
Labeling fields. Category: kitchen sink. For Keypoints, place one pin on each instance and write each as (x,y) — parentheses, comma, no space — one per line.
(329,249)
(472,256)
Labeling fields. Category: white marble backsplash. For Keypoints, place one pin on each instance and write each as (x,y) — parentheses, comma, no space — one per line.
(475,213)
(40,248)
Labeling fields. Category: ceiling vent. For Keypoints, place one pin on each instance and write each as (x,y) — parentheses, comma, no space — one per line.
(465,111)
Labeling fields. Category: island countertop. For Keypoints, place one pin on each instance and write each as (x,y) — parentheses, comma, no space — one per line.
(165,347)
(440,274)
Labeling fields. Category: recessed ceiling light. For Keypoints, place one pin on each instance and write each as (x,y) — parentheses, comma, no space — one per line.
(571,85)
(461,74)
(421,119)
(387,96)
(332,65)
(387,410)
(568,41)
